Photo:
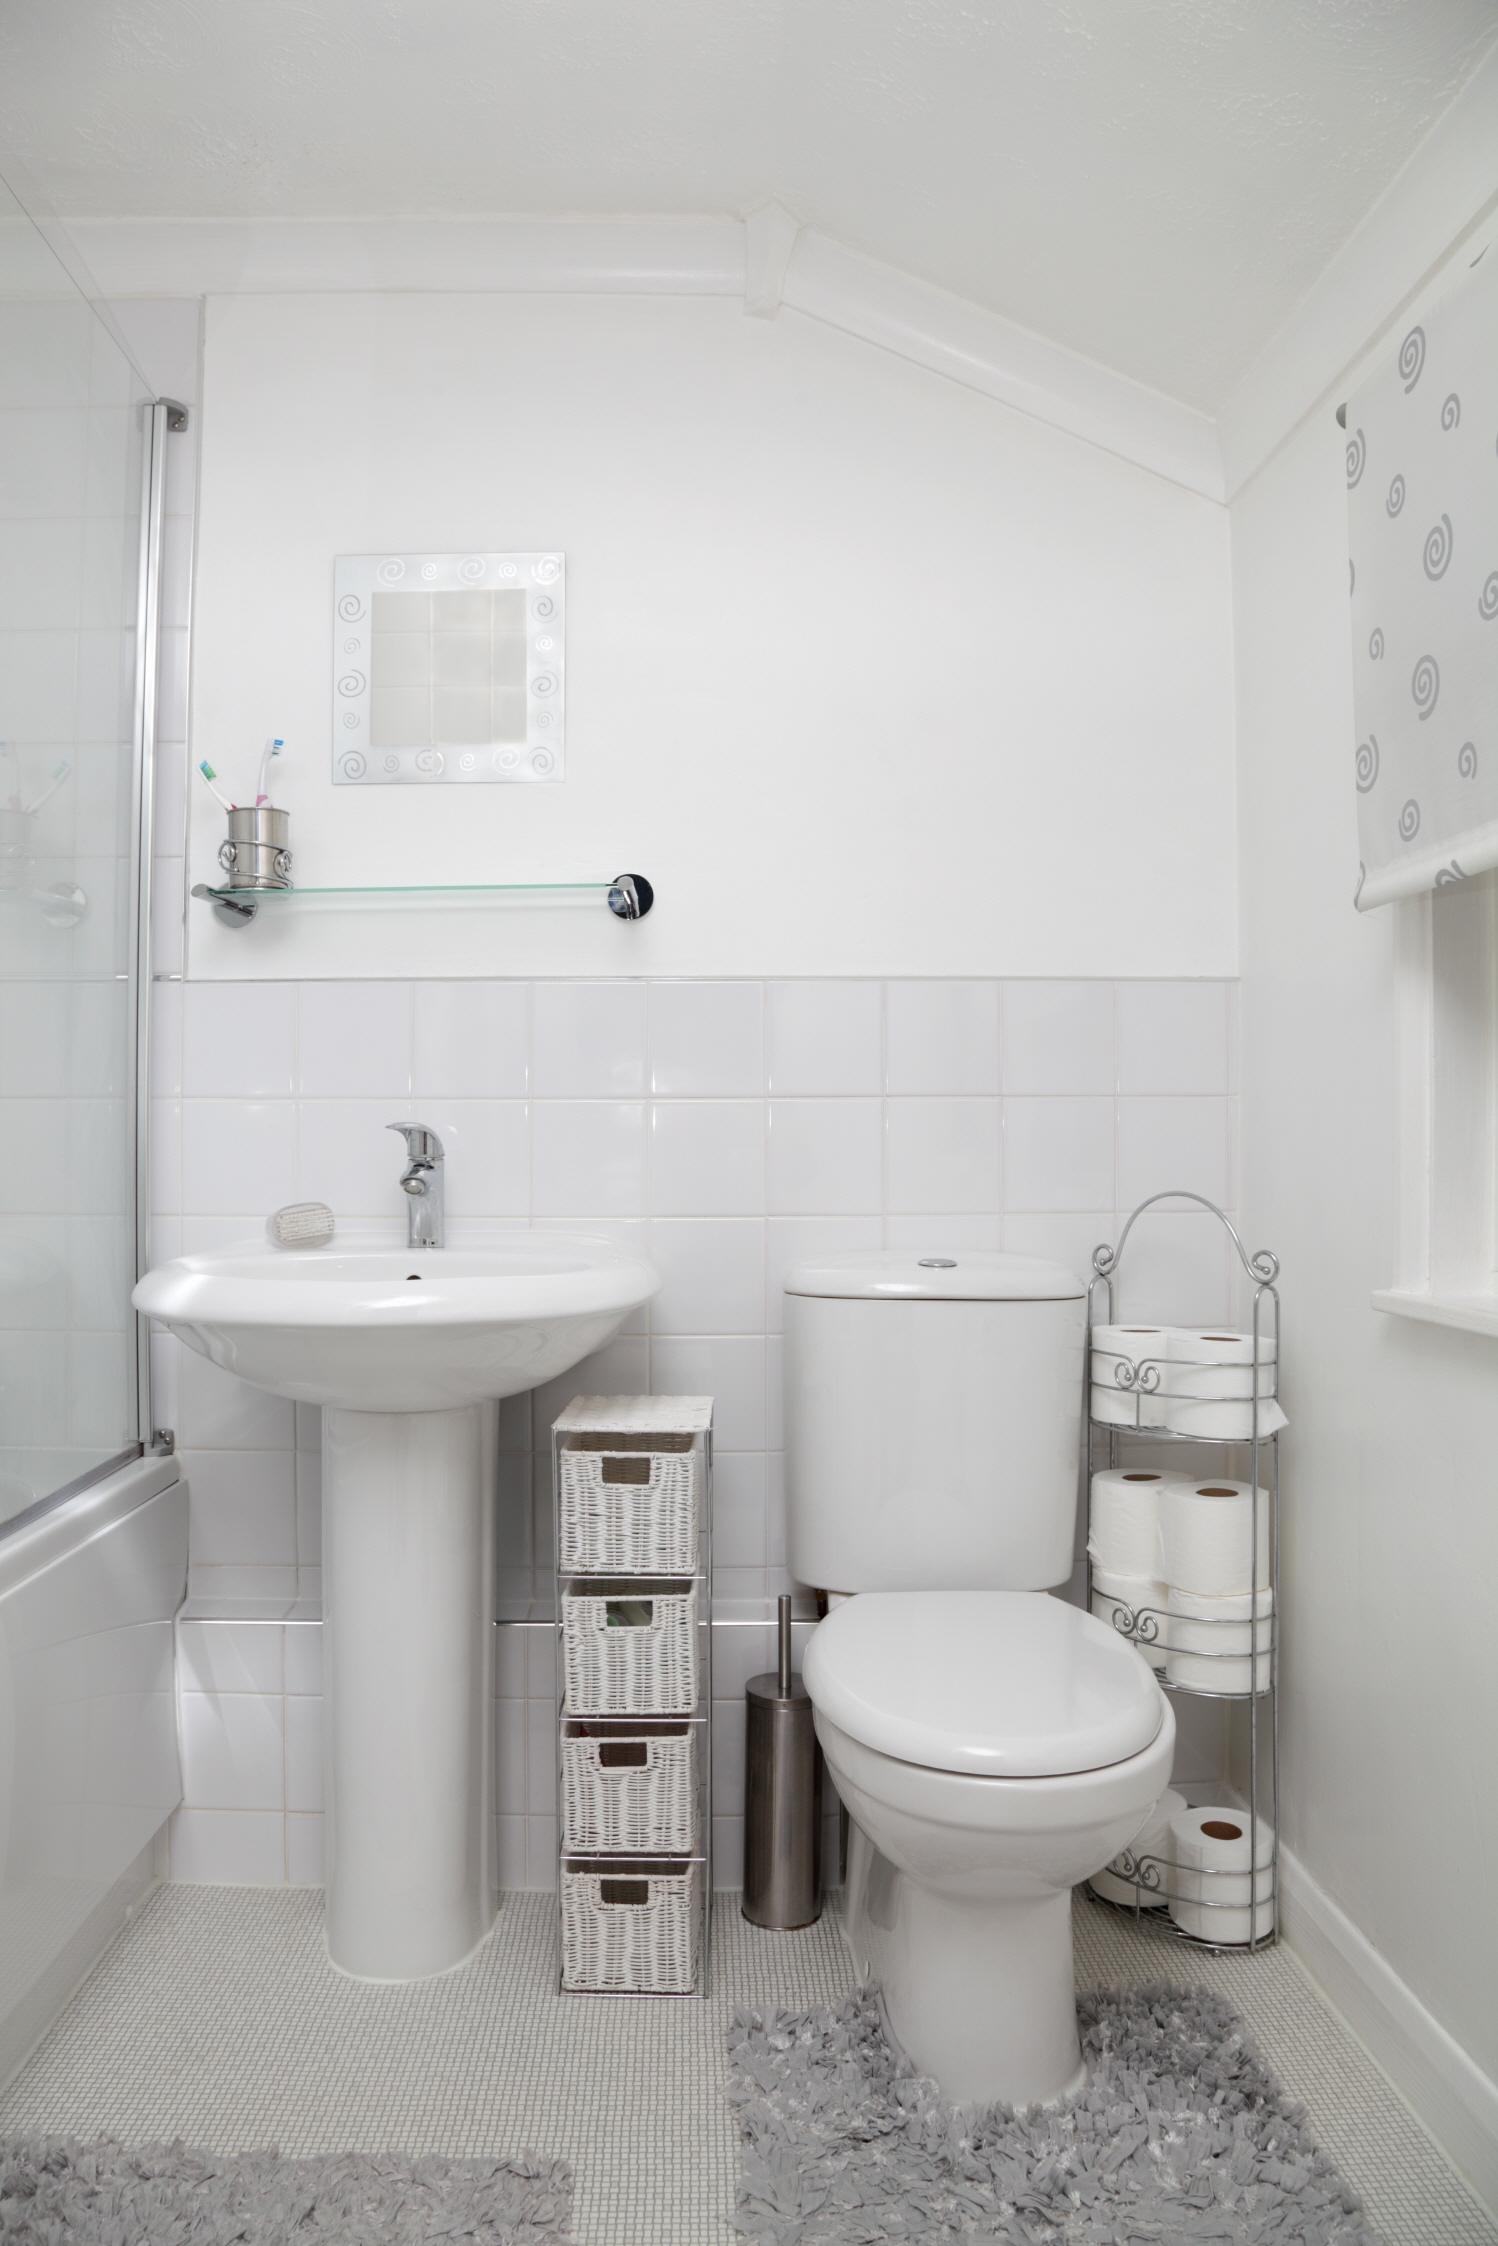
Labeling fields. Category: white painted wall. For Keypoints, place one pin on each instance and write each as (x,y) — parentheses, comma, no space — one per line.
(1390,1531)
(868,674)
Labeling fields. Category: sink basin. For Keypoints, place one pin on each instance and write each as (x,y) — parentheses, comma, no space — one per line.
(396,1330)
(407,1351)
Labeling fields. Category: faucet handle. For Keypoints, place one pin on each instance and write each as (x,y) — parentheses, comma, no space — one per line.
(422,1143)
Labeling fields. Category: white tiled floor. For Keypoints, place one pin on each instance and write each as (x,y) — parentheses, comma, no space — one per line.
(217,2018)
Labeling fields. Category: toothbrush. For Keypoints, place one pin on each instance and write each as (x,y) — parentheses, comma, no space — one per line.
(272,749)
(217,792)
(47,793)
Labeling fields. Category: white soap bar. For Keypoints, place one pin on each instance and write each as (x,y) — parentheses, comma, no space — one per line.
(301,1224)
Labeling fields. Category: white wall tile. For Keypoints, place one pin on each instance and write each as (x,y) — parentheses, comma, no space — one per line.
(729,1744)
(164,1157)
(707,1040)
(1058,1154)
(166,1039)
(588,1158)
(1171,1145)
(825,1157)
(942,1037)
(1058,1037)
(707,1158)
(731,1369)
(233,1750)
(304,1851)
(509,1852)
(216,1584)
(541,1851)
(511,1731)
(728,1852)
(232,1848)
(221,1657)
(942,1155)
(713,1269)
(1173,1037)
(239,1040)
(540,1757)
(348,1156)
(238,1156)
(304,1738)
(242,1508)
(472,1041)
(944,1233)
(738,1509)
(303,1657)
(587,1040)
(486,1145)
(509,1664)
(1178,1269)
(354,1041)
(824,1037)
(1065,1239)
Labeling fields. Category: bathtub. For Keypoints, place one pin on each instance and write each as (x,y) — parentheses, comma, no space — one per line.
(89,1770)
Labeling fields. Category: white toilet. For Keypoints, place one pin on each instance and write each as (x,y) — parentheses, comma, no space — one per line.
(993,1746)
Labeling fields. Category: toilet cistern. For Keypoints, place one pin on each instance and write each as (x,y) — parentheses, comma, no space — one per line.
(422,1180)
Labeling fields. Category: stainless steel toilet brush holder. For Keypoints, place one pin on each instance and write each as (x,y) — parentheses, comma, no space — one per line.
(257,854)
(783,1798)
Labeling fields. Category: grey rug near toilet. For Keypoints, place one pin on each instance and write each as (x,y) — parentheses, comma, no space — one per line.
(1181,2135)
(55,2191)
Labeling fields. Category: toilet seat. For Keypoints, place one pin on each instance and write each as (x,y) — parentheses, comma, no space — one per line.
(1000,1684)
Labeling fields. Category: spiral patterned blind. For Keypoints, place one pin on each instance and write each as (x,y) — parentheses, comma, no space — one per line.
(1422,509)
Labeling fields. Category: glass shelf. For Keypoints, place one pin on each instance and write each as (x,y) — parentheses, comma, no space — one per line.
(629,896)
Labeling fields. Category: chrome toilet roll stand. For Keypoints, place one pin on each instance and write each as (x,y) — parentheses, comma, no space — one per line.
(1253,1744)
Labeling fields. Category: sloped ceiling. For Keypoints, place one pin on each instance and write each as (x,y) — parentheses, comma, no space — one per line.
(1154,183)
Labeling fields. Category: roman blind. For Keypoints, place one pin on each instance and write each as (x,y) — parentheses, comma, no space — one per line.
(1422,509)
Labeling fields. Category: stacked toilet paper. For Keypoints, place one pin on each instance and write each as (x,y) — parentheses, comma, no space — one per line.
(1128,1370)
(1154,1840)
(1218,1896)
(1176,1554)
(1208,1531)
(1219,1645)
(1123,1542)
(1211,1384)
(1190,1380)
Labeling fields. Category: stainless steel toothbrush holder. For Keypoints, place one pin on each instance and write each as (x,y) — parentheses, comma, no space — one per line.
(256,854)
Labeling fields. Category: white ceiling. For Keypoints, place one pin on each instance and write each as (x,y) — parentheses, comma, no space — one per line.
(1155,183)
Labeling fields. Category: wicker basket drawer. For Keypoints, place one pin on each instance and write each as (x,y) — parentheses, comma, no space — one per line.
(631,1927)
(630,1650)
(634,1791)
(628,1504)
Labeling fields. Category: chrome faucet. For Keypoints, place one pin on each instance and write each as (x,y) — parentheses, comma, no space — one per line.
(422,1179)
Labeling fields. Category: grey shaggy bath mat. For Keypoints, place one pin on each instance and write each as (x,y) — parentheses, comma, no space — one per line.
(1182,2135)
(57,2192)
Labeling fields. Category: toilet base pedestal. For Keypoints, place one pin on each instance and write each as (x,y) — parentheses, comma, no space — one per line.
(980,1994)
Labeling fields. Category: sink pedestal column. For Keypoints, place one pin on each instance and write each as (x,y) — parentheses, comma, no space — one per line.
(408,1687)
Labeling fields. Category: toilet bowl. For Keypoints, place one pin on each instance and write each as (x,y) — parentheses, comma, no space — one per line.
(993,1749)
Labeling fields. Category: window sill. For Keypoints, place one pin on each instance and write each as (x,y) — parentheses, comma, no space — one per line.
(1474,1313)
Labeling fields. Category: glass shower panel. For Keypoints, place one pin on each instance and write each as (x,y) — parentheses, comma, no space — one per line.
(72,438)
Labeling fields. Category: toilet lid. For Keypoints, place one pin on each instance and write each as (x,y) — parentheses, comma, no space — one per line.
(1005,1684)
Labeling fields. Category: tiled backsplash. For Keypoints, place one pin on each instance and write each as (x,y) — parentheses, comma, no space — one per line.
(724,1129)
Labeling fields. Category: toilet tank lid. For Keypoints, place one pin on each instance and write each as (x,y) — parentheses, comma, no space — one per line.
(998,1684)
(935,1275)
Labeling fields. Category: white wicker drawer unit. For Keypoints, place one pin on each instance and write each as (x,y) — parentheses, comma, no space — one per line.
(632,1789)
(627,1504)
(630,1649)
(631,1927)
(633,1481)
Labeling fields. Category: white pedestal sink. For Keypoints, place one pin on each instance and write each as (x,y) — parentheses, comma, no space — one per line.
(407,1351)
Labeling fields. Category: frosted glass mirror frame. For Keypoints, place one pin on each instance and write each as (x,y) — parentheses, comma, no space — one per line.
(448,669)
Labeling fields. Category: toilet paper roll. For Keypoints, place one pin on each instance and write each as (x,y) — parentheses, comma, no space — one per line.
(1213,1898)
(1206,1538)
(1120,1355)
(1211,1383)
(1123,1521)
(1153,1840)
(1147,1601)
(1216,1644)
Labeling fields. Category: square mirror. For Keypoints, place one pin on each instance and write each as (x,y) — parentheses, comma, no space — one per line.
(448,668)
